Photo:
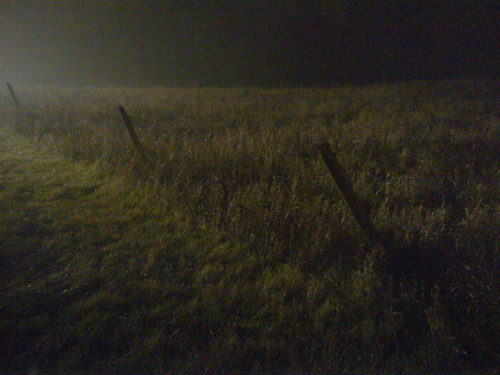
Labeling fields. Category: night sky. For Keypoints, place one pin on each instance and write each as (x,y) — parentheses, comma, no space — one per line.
(245,42)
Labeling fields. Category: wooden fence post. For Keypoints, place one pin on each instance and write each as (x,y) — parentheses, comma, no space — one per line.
(133,135)
(13,94)
(344,187)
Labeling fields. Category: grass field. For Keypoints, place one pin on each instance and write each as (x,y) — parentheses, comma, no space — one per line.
(231,252)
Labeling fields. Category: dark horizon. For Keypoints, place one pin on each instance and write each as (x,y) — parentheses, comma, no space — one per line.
(244,43)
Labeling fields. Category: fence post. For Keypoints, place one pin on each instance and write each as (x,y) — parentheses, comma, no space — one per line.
(133,135)
(13,94)
(344,187)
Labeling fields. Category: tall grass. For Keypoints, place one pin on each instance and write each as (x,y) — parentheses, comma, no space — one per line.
(290,279)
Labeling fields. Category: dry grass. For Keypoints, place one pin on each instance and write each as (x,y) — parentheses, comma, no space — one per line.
(234,253)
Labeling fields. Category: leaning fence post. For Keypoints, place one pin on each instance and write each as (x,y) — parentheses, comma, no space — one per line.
(13,94)
(346,191)
(133,135)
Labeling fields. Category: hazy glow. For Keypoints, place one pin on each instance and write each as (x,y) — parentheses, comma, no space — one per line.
(247,42)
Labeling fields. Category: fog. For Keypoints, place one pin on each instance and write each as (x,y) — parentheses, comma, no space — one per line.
(223,42)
